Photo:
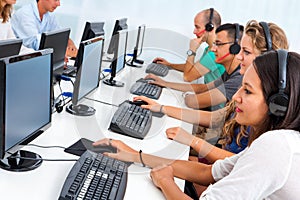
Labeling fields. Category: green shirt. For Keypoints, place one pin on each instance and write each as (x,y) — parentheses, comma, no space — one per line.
(215,70)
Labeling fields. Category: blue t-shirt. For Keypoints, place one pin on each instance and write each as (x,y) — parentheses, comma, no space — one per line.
(233,146)
(208,60)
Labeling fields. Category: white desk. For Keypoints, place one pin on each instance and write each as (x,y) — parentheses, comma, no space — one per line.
(46,181)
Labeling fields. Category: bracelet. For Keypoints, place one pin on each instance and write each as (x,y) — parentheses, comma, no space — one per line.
(141,159)
(161,107)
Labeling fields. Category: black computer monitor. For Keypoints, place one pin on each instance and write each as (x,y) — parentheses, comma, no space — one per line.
(10,47)
(118,62)
(87,76)
(58,41)
(92,29)
(137,51)
(25,107)
(120,24)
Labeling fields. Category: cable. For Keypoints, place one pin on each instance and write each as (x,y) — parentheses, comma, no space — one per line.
(35,145)
(101,102)
(43,159)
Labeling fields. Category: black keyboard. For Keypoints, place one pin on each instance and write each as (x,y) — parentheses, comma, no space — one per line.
(143,88)
(95,176)
(70,70)
(157,69)
(131,120)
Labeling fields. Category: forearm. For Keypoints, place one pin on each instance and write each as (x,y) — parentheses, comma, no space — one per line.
(200,117)
(194,71)
(151,160)
(193,171)
(172,191)
(184,87)
(178,67)
(208,151)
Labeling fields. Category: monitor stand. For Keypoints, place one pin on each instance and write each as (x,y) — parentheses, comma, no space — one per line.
(132,64)
(80,110)
(113,82)
(21,161)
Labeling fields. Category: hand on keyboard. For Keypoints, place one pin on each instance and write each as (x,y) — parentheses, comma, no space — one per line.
(124,152)
(160,60)
(156,80)
(151,104)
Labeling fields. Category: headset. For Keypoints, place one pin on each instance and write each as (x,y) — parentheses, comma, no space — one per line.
(235,47)
(278,103)
(267,33)
(210,26)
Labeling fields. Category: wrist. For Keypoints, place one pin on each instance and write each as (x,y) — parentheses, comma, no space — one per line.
(195,142)
(191,52)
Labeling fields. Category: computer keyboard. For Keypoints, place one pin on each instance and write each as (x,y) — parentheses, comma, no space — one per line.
(70,70)
(157,69)
(95,176)
(131,120)
(143,88)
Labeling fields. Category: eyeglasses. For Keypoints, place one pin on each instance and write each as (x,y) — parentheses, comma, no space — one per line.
(221,43)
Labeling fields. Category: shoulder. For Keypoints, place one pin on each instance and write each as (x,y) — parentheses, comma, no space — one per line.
(283,138)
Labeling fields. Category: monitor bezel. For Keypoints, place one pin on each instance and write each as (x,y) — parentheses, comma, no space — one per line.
(75,99)
(92,26)
(120,24)
(47,39)
(15,44)
(38,131)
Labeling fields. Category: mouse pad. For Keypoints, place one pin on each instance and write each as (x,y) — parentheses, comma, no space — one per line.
(79,147)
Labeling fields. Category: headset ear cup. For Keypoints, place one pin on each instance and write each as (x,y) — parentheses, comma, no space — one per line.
(278,104)
(234,48)
(209,27)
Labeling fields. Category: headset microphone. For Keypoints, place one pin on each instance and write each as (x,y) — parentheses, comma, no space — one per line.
(223,57)
(200,33)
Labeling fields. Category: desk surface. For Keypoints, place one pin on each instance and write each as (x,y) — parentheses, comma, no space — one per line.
(46,181)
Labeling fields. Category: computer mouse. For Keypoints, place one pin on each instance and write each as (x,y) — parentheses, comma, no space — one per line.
(103,148)
(139,102)
(145,80)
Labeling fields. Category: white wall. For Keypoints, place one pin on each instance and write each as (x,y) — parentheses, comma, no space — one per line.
(177,15)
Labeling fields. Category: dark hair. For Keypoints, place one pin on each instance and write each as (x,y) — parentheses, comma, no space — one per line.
(266,66)
(230,29)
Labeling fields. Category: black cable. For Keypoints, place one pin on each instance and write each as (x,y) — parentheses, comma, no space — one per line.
(101,102)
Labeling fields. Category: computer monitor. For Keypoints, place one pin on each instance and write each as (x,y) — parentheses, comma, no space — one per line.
(25,107)
(87,76)
(120,24)
(137,51)
(118,62)
(58,41)
(92,29)
(10,47)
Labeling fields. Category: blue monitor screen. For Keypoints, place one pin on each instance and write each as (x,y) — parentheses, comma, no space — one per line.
(27,99)
(122,44)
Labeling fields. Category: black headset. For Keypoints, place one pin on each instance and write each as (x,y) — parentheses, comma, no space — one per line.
(210,26)
(278,103)
(235,47)
(267,33)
